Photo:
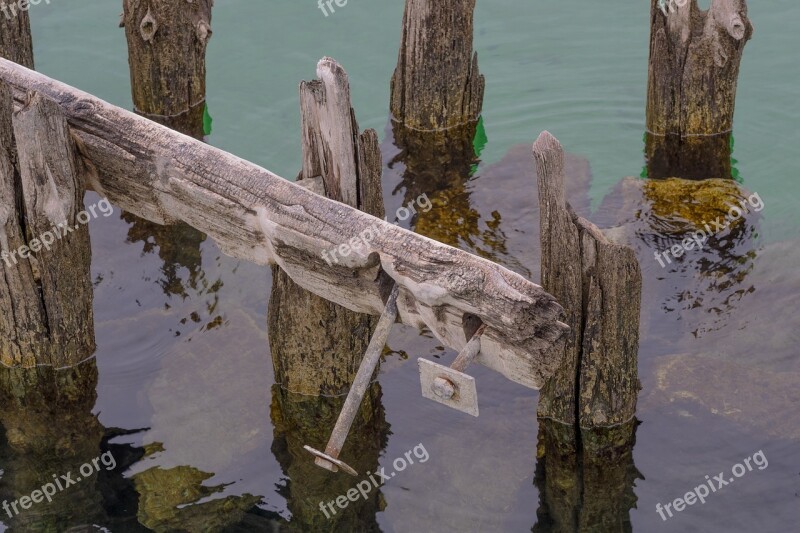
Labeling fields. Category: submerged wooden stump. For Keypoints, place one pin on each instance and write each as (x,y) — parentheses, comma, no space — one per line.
(46,255)
(167,42)
(599,285)
(300,420)
(436,84)
(15,35)
(691,87)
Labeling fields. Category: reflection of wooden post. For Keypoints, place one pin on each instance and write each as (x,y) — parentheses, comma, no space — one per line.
(599,285)
(299,420)
(45,244)
(51,430)
(593,492)
(167,55)
(317,346)
(15,35)
(691,90)
(436,84)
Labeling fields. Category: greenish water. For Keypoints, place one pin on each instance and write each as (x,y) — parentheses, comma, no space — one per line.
(184,370)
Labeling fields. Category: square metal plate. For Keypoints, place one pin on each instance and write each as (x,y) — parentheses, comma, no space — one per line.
(465,397)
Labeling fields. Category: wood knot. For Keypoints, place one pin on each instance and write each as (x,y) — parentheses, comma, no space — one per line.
(148,27)
(203,31)
(736,27)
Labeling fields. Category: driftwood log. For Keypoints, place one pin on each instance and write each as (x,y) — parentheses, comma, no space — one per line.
(599,284)
(256,215)
(691,87)
(16,43)
(317,345)
(46,252)
(167,42)
(436,84)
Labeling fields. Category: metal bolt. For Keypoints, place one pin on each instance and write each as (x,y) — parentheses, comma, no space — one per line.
(443,388)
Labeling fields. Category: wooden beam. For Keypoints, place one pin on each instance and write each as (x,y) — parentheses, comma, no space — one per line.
(255,215)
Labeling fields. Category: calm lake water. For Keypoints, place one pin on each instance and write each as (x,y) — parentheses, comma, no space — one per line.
(184,373)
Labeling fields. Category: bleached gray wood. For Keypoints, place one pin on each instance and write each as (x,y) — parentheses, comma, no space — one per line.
(256,215)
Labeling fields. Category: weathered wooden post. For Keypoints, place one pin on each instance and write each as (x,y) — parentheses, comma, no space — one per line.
(586,409)
(15,35)
(437,85)
(167,42)
(317,346)
(436,101)
(599,285)
(691,86)
(46,253)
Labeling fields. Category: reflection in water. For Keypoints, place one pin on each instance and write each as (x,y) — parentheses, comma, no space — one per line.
(441,165)
(584,491)
(50,431)
(178,247)
(700,286)
(169,501)
(301,420)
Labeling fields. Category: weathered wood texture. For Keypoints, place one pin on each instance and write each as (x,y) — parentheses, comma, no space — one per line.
(691,87)
(48,287)
(317,345)
(599,284)
(167,42)
(15,35)
(436,84)
(258,216)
